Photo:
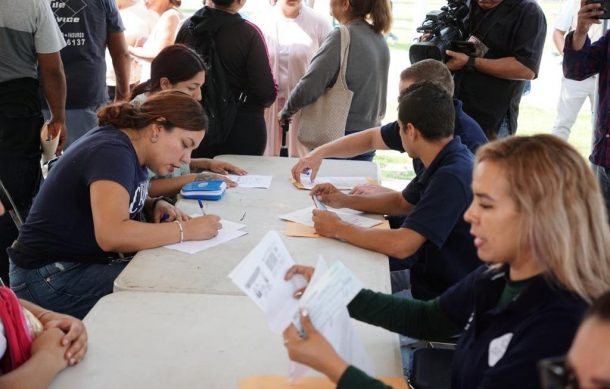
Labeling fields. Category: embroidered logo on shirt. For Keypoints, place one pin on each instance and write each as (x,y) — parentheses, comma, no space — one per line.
(497,348)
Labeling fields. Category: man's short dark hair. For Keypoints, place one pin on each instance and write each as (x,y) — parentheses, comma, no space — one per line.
(429,70)
(429,108)
(600,309)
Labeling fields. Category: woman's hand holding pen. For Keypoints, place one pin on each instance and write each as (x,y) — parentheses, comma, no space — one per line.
(202,228)
(329,195)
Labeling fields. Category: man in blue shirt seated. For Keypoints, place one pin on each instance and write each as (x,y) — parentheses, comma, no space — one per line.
(434,233)
(387,137)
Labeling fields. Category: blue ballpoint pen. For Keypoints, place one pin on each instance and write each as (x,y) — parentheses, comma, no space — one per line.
(201,206)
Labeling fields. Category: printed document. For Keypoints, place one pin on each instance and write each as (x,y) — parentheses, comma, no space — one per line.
(261,276)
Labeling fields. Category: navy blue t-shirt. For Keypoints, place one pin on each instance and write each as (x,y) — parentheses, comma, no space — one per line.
(440,196)
(466,128)
(85,25)
(500,347)
(59,226)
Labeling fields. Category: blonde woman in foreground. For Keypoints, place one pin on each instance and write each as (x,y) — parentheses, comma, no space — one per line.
(539,224)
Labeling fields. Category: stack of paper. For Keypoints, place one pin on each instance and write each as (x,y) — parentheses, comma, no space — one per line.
(261,276)
(303,216)
(229,231)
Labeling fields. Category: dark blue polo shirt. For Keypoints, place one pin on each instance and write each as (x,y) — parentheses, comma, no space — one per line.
(440,195)
(500,347)
(466,128)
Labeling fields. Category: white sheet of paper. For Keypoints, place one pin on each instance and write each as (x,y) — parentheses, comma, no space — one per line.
(261,276)
(251,181)
(229,231)
(326,299)
(341,183)
(328,294)
(304,215)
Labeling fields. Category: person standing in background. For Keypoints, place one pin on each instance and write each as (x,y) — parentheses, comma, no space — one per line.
(582,59)
(241,49)
(162,35)
(29,54)
(139,23)
(573,93)
(89,27)
(293,33)
(367,65)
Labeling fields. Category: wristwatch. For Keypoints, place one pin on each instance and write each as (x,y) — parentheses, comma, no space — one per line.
(469,67)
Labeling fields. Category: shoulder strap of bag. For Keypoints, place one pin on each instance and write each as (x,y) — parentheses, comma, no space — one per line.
(345,42)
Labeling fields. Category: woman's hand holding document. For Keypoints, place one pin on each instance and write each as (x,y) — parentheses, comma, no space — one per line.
(269,276)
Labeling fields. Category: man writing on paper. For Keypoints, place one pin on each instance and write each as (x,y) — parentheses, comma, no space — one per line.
(434,234)
(387,137)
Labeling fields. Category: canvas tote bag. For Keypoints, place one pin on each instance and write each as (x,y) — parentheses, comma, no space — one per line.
(324,120)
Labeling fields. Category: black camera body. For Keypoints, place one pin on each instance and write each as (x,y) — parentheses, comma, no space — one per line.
(605,7)
(439,30)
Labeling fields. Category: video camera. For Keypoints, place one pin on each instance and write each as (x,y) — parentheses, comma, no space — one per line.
(442,30)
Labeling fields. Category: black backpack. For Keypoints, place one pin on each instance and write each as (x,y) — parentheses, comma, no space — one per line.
(218,100)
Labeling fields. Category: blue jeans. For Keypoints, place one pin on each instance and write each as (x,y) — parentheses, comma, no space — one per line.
(603,176)
(67,287)
(504,129)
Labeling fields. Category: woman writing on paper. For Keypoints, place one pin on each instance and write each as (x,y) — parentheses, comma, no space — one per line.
(293,33)
(180,68)
(367,66)
(539,223)
(88,210)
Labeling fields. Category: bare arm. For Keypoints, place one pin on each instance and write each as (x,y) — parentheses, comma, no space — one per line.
(168,28)
(559,40)
(390,203)
(587,16)
(46,361)
(169,186)
(347,146)
(121,61)
(115,232)
(53,82)
(398,243)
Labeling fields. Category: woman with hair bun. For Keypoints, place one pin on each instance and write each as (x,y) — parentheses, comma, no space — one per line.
(85,221)
(180,68)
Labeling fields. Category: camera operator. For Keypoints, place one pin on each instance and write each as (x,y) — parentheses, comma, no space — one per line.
(509,38)
(582,59)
